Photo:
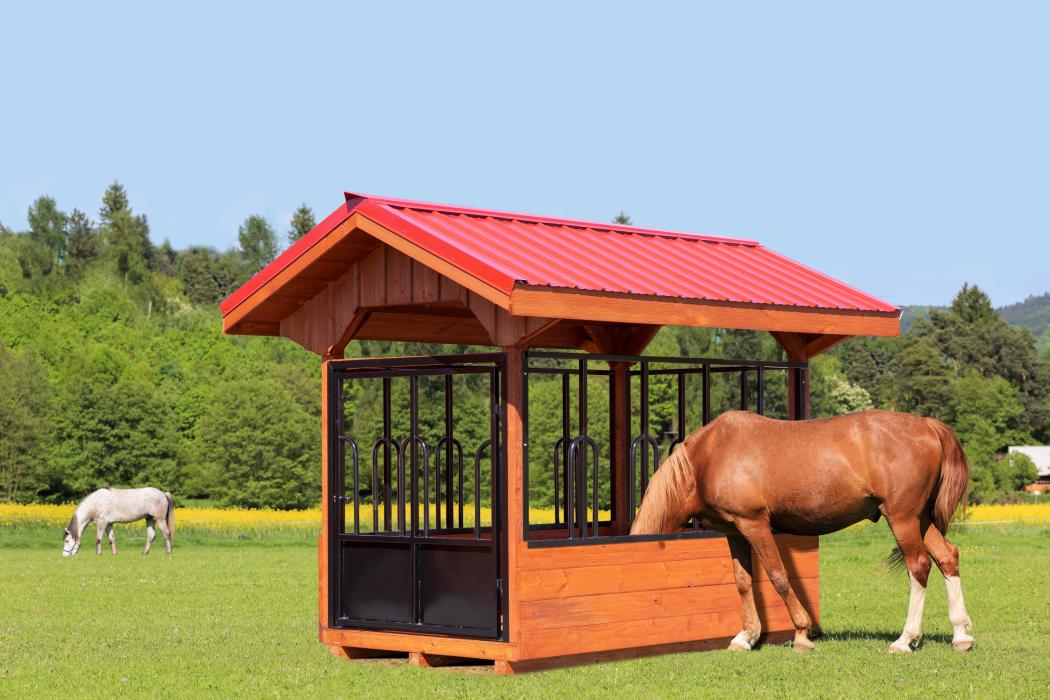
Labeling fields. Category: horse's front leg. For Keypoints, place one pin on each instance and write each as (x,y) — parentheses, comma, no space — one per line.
(740,550)
(759,534)
(112,538)
(100,527)
(151,532)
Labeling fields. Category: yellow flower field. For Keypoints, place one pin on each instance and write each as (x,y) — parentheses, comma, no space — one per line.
(227,519)
(1023,512)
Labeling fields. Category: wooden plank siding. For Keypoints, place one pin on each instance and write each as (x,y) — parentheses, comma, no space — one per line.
(593,598)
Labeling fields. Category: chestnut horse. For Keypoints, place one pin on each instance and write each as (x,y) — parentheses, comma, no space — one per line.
(745,475)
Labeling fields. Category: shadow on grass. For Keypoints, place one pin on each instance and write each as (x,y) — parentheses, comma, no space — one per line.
(883,636)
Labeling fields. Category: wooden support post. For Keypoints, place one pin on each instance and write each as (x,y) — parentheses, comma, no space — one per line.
(322,541)
(513,430)
(426,660)
(352,653)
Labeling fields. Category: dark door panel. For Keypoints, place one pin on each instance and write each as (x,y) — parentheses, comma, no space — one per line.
(457,587)
(377,582)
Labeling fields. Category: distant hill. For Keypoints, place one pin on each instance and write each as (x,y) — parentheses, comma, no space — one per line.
(910,313)
(1033,313)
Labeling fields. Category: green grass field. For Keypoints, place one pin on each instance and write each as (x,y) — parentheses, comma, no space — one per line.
(233,618)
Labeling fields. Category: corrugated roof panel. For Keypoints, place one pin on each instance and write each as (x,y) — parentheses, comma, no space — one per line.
(502,248)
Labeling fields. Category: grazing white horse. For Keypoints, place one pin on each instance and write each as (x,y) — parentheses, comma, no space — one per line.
(107,506)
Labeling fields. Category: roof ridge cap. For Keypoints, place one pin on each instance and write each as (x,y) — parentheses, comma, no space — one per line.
(550,220)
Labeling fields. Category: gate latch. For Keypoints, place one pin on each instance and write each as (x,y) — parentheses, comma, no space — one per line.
(343,499)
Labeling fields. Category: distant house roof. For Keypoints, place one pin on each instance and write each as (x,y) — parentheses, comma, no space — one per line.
(1040,454)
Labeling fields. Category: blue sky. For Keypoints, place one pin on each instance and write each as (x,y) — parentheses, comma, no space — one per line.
(904,148)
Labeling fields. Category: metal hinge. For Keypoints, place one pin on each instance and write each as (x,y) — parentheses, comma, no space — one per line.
(499,411)
(344,499)
(499,586)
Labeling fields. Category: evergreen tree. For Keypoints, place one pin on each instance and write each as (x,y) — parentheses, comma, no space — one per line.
(115,199)
(47,227)
(303,221)
(258,243)
(81,245)
(623,219)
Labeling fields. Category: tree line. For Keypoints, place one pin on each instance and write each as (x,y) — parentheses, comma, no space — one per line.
(114,371)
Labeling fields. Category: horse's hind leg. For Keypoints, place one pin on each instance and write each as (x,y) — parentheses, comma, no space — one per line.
(740,549)
(946,555)
(908,533)
(112,538)
(761,538)
(150,533)
(163,525)
(100,527)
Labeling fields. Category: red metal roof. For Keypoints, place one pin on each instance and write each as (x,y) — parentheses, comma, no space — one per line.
(503,249)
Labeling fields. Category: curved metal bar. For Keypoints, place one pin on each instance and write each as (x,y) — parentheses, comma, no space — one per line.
(560,446)
(357,492)
(414,482)
(386,440)
(574,454)
(477,487)
(649,442)
(437,477)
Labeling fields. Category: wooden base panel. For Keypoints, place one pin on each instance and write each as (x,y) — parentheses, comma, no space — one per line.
(510,668)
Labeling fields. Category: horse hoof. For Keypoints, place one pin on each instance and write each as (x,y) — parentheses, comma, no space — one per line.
(963,645)
(733,646)
(802,645)
(895,649)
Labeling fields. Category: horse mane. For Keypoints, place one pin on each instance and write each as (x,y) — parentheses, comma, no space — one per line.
(72,527)
(663,504)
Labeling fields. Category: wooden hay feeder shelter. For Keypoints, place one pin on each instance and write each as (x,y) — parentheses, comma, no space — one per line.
(447,532)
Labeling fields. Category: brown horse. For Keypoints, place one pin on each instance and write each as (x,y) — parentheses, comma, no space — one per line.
(746,475)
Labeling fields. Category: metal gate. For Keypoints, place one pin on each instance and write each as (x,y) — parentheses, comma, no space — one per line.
(415,478)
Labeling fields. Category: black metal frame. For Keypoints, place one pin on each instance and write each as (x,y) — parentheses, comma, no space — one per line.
(395,551)
(568,454)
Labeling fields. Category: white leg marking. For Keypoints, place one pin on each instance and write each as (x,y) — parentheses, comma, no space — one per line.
(957,612)
(913,626)
(742,640)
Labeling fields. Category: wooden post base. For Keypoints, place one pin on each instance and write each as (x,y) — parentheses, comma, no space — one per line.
(352,653)
(426,660)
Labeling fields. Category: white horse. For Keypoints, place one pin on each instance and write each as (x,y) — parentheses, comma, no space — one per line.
(107,506)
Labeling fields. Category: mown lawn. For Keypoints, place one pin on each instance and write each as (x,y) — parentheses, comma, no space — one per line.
(239,619)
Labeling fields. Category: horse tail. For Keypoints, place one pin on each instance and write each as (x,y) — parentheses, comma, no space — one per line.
(954,478)
(169,518)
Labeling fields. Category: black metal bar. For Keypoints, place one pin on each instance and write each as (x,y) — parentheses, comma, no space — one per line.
(449,444)
(580,464)
(681,412)
(477,487)
(566,428)
(387,520)
(760,390)
(743,390)
(575,356)
(346,439)
(449,431)
(459,362)
(594,486)
(386,442)
(524,443)
(494,437)
(705,416)
(643,423)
